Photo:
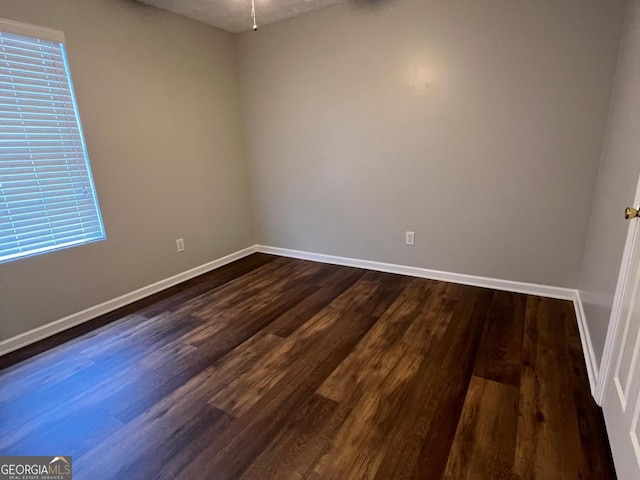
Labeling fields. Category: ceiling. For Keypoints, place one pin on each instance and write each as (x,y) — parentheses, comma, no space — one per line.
(235,15)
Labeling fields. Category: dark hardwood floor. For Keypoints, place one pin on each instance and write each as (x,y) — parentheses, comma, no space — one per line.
(273,368)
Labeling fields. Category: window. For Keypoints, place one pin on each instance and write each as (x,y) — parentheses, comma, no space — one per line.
(47,197)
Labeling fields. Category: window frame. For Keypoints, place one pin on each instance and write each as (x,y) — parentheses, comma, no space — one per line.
(43,33)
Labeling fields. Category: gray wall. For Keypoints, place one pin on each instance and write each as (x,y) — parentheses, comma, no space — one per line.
(492,163)
(615,188)
(159,100)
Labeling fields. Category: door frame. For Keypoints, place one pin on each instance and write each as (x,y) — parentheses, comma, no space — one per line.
(614,320)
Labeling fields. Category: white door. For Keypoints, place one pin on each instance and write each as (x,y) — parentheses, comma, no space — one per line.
(621,395)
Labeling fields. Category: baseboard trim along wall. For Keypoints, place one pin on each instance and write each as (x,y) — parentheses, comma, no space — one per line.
(506,285)
(32,336)
(587,346)
(57,326)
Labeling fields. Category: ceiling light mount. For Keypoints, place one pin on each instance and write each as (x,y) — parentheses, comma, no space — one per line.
(253,15)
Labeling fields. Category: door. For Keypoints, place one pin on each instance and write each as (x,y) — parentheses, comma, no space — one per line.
(621,395)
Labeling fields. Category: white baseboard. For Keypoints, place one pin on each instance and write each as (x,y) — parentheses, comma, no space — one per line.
(90,313)
(497,284)
(587,345)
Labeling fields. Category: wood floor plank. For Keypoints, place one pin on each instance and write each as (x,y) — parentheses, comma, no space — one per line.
(419,308)
(548,441)
(272,279)
(300,444)
(160,434)
(361,444)
(247,389)
(77,431)
(143,336)
(237,363)
(124,386)
(280,368)
(500,354)
(419,444)
(253,432)
(38,402)
(484,445)
(148,386)
(212,349)
(334,286)
(112,387)
(250,317)
(174,297)
(43,376)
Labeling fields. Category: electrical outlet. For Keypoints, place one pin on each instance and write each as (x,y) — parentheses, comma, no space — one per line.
(180,244)
(409,238)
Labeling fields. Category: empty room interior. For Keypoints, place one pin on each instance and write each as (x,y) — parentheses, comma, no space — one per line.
(319,239)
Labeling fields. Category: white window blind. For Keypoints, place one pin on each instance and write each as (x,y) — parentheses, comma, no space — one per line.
(47,196)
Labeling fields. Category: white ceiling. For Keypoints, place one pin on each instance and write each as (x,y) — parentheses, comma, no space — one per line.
(235,15)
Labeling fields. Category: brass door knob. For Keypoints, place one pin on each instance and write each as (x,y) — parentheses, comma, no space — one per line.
(630,213)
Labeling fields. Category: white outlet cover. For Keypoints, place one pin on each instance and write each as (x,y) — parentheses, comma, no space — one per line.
(409,238)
